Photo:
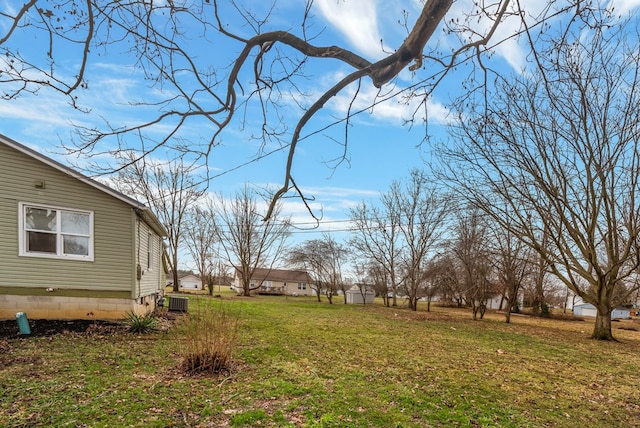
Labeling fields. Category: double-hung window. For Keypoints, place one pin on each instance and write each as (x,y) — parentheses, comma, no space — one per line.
(47,231)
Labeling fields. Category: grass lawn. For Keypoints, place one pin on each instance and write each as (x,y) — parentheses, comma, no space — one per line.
(303,363)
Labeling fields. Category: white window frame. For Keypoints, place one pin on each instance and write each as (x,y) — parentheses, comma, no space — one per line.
(22,233)
(302,286)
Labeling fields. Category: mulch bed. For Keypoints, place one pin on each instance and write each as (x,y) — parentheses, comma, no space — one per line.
(9,328)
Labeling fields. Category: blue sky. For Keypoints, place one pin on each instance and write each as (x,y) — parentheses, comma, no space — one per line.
(380,149)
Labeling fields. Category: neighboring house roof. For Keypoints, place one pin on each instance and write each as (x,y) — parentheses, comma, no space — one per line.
(185,274)
(622,309)
(262,274)
(181,276)
(142,209)
(357,289)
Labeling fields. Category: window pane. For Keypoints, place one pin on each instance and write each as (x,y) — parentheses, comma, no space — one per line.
(40,219)
(77,245)
(41,242)
(75,223)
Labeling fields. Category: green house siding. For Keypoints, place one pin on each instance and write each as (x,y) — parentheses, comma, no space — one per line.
(112,268)
(152,274)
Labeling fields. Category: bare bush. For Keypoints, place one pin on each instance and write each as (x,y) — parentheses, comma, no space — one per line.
(207,339)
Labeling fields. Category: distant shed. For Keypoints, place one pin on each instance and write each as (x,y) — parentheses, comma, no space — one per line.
(588,310)
(585,310)
(356,295)
(621,313)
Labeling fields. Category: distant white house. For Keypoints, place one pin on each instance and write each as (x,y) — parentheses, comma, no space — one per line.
(589,310)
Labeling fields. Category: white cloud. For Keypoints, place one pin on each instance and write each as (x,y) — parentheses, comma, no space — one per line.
(463,12)
(357,20)
(332,192)
(331,203)
(42,110)
(365,23)
(509,48)
(624,6)
(385,107)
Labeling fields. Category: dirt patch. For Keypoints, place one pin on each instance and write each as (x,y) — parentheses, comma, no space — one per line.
(9,328)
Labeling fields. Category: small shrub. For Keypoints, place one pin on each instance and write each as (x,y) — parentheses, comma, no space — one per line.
(545,312)
(141,323)
(516,308)
(208,338)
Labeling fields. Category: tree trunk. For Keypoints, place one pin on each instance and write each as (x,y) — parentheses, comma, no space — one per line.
(602,327)
(210,283)
(538,300)
(176,284)
(511,302)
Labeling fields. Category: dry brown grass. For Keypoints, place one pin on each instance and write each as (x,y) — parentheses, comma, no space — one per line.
(207,339)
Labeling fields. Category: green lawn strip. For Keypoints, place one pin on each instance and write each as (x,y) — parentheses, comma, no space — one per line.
(301,363)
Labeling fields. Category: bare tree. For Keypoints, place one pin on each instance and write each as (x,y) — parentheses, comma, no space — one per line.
(323,259)
(310,256)
(400,236)
(248,240)
(267,65)
(444,273)
(422,212)
(555,152)
(469,246)
(431,281)
(539,303)
(200,239)
(170,190)
(512,261)
(376,237)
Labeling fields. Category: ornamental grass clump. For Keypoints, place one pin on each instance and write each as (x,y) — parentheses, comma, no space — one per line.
(208,338)
(141,323)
